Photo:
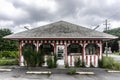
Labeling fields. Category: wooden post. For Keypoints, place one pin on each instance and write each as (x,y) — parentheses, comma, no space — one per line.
(54,47)
(21,60)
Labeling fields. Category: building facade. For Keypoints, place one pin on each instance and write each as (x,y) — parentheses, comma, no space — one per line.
(68,41)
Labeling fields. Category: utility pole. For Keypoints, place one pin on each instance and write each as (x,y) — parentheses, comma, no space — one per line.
(106,28)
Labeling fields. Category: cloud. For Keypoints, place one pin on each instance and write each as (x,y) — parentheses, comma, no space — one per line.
(15,14)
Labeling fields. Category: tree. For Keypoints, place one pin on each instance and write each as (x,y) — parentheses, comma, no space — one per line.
(7,45)
(113,43)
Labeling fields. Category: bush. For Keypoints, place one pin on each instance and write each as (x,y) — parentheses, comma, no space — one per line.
(9,54)
(30,57)
(78,63)
(52,62)
(55,61)
(40,58)
(66,65)
(109,63)
(83,64)
(72,71)
(8,62)
(116,66)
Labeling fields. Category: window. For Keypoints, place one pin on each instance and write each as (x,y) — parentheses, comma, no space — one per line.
(74,48)
(91,49)
(46,48)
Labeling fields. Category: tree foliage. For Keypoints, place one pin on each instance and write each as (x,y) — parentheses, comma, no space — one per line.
(7,45)
(113,43)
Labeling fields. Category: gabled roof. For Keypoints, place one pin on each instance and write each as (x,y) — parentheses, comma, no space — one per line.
(60,29)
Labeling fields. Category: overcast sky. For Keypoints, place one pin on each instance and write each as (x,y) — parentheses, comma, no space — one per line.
(15,14)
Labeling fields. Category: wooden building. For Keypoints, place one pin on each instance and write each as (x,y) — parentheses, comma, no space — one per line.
(68,41)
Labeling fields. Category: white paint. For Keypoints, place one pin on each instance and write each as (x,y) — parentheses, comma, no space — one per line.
(85,72)
(45,59)
(38,72)
(22,61)
(93,61)
(60,51)
(73,61)
(5,70)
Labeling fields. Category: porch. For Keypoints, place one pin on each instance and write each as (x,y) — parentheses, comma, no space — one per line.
(67,51)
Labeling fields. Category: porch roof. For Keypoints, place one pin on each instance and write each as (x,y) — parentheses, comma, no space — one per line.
(60,29)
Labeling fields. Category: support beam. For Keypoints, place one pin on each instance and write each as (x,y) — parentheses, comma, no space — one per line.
(83,51)
(21,60)
(66,53)
(100,47)
(54,47)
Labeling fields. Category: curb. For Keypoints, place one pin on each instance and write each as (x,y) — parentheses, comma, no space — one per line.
(5,70)
(83,73)
(113,71)
(38,72)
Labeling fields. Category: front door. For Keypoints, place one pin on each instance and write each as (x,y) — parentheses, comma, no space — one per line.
(60,55)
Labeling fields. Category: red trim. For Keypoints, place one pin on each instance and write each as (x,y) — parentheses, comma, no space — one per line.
(70,59)
(101,50)
(83,51)
(87,60)
(66,57)
(94,59)
(54,47)
(20,52)
(90,59)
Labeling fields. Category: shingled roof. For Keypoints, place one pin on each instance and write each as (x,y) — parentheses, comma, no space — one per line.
(60,29)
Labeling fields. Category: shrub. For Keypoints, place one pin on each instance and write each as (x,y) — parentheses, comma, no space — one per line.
(116,66)
(40,58)
(50,62)
(55,61)
(78,63)
(9,54)
(8,62)
(72,71)
(83,64)
(109,63)
(66,65)
(30,57)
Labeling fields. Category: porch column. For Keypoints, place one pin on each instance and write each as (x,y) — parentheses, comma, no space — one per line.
(21,59)
(100,46)
(37,46)
(54,47)
(100,56)
(83,51)
(66,53)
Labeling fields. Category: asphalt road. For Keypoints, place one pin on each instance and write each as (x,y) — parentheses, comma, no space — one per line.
(20,74)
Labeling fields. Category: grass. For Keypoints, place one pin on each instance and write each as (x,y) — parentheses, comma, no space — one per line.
(5,61)
(71,72)
(116,53)
(109,63)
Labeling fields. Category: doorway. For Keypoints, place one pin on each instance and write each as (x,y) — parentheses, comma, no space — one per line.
(60,55)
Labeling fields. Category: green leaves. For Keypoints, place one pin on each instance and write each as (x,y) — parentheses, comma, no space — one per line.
(7,45)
